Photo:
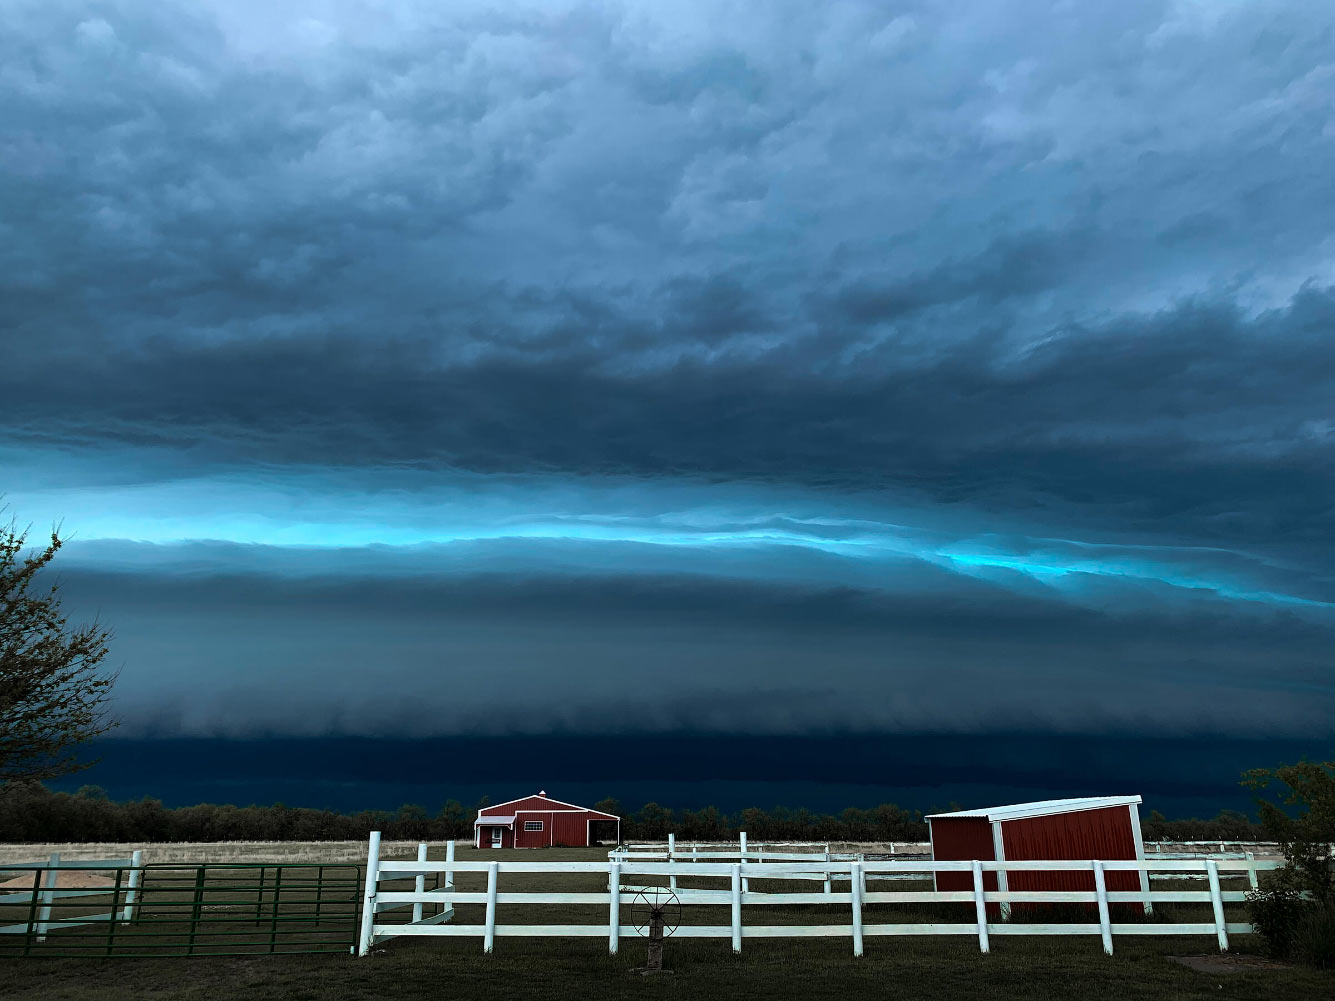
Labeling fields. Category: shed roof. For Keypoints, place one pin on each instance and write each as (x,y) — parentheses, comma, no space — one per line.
(494,821)
(1042,808)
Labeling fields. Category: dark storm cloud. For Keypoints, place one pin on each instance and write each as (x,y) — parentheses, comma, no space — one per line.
(1196,419)
(639,653)
(990,334)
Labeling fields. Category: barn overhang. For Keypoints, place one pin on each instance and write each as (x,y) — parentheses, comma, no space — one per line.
(494,822)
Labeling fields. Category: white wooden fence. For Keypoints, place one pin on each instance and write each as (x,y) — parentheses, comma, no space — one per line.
(1170,849)
(751,852)
(46,875)
(856,874)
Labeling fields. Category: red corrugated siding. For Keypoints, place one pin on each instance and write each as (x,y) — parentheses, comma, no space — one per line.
(532,839)
(1086,834)
(962,838)
(528,803)
(572,829)
(565,828)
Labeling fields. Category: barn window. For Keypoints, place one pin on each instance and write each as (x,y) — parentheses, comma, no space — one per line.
(533,825)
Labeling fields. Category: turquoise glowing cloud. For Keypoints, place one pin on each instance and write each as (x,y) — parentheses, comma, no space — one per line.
(473,521)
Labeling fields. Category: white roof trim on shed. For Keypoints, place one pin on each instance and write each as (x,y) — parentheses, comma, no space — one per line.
(496,821)
(1043,808)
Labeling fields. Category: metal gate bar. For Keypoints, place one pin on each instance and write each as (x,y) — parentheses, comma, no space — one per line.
(212,909)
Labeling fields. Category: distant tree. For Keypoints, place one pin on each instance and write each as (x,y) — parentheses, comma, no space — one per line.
(453,820)
(53,692)
(412,821)
(652,822)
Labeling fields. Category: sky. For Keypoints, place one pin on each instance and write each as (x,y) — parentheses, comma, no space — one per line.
(420,370)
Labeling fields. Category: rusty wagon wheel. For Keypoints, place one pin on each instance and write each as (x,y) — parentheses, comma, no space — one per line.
(651,902)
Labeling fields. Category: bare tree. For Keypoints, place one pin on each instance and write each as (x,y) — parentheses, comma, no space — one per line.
(53,692)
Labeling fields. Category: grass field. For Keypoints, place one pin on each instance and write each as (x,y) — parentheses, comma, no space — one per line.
(920,968)
(552,969)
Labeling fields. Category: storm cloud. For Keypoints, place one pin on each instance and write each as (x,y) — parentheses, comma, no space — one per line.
(749,368)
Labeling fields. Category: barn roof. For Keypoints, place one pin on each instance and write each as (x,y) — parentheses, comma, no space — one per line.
(549,806)
(1042,808)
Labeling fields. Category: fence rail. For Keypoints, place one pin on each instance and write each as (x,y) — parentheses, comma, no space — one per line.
(624,875)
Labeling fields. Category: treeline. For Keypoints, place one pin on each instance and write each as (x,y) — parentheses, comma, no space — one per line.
(32,813)
(1228,825)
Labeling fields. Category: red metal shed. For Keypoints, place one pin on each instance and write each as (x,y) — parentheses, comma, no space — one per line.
(538,822)
(1098,827)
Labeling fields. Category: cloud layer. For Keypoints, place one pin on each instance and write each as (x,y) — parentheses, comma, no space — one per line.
(985,336)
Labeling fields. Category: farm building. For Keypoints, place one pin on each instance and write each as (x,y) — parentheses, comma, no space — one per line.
(541,822)
(1100,827)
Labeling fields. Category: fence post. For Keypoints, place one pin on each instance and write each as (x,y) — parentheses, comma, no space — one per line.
(49,881)
(132,889)
(979,906)
(196,907)
(449,877)
(746,883)
(672,860)
(1147,905)
(737,908)
(273,917)
(829,888)
(111,916)
(420,883)
(1251,870)
(364,940)
(1101,893)
(1217,902)
(614,907)
(489,937)
(38,874)
(856,882)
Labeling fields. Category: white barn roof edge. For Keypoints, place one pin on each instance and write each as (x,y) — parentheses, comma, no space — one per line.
(1042,808)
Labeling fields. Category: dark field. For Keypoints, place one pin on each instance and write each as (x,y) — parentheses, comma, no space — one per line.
(558,969)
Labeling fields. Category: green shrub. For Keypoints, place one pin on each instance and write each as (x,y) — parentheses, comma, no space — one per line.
(1313,937)
(1276,913)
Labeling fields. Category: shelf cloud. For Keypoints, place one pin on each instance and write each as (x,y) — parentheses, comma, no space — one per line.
(745,368)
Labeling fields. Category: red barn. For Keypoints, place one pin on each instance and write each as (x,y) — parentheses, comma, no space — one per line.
(538,822)
(1100,827)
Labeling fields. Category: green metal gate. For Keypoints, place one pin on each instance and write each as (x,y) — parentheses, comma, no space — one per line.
(213,909)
